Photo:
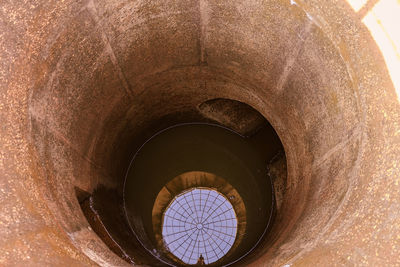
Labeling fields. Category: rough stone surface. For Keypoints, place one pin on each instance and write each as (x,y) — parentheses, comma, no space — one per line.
(235,115)
(278,173)
(80,79)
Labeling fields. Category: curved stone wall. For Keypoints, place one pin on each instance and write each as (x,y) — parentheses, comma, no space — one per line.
(81,80)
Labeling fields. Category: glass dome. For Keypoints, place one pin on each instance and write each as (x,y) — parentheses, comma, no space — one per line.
(199,225)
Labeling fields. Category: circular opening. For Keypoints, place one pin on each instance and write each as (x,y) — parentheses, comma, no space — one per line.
(199,226)
(87,85)
(188,213)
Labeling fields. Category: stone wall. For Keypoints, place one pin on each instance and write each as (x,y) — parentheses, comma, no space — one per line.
(80,79)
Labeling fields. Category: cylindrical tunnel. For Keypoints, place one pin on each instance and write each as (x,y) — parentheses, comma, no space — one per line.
(86,83)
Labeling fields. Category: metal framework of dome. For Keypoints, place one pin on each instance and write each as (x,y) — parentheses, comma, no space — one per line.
(199,225)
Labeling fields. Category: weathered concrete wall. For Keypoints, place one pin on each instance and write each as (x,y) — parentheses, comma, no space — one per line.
(79,79)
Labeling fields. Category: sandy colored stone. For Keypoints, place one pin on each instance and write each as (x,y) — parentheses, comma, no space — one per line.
(84,82)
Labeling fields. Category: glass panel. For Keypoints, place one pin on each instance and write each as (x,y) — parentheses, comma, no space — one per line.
(200,223)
